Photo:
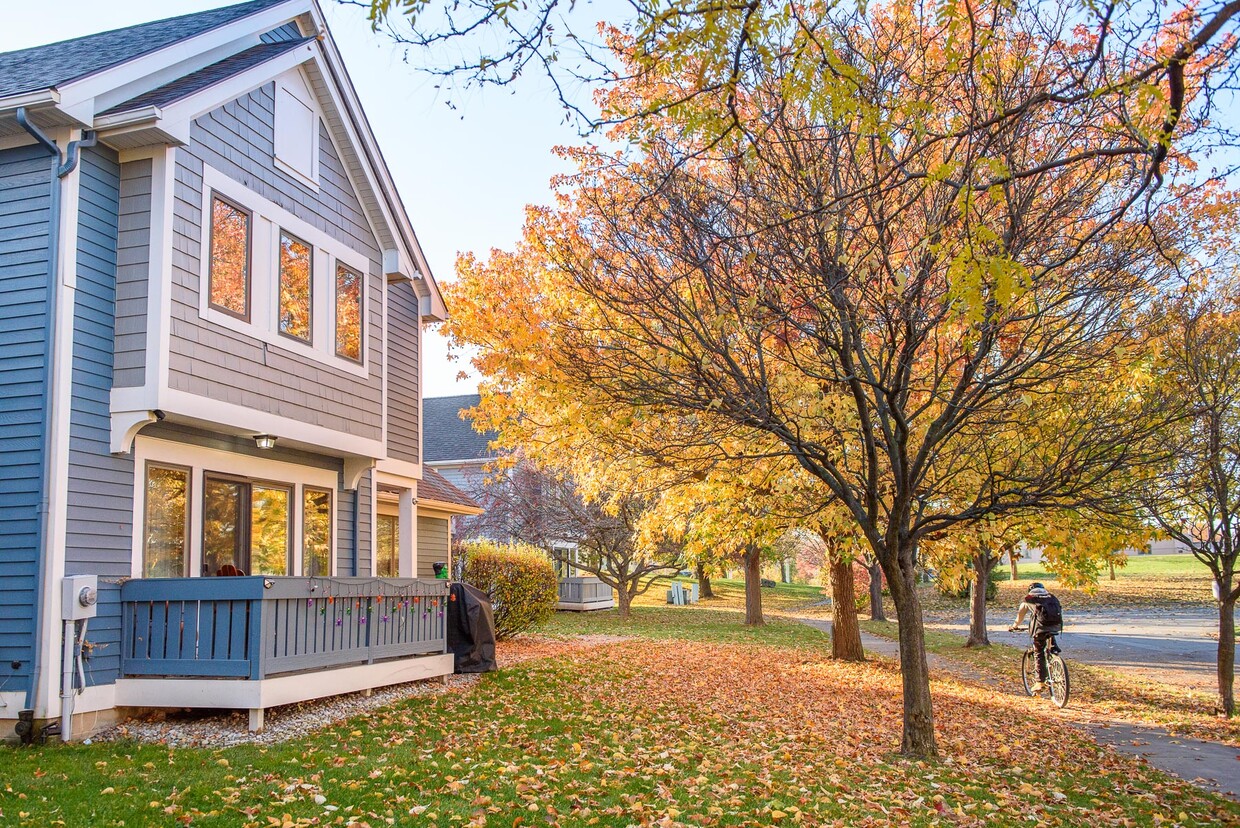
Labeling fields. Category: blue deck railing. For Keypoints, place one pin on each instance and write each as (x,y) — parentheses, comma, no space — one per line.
(256,627)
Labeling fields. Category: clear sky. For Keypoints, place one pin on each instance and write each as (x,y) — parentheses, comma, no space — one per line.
(465,174)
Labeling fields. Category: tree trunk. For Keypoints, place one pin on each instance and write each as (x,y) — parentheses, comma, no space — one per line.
(876,592)
(982,565)
(783,572)
(1012,560)
(1112,570)
(845,632)
(704,590)
(918,737)
(625,599)
(753,587)
(1227,649)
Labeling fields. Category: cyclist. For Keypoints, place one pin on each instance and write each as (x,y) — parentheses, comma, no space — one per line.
(1047,620)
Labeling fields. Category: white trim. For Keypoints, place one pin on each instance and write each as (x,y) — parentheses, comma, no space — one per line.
(101,90)
(400,468)
(478,461)
(272,692)
(39,97)
(446,508)
(202,460)
(57,457)
(268,219)
(159,269)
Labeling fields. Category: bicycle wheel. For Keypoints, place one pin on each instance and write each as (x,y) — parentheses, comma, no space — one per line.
(1029,671)
(1057,670)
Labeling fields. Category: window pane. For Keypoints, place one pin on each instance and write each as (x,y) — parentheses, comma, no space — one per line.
(224,526)
(316,532)
(295,283)
(385,547)
(348,313)
(269,530)
(230,258)
(165,529)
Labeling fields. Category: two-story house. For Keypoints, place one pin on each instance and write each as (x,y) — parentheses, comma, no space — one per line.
(211,310)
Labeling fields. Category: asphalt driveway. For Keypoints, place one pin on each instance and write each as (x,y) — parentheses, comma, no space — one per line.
(1172,645)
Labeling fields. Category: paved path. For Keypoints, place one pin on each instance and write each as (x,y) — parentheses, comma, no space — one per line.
(1208,765)
(1170,645)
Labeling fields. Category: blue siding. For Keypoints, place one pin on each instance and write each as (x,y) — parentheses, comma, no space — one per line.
(25,203)
(99,529)
(282,34)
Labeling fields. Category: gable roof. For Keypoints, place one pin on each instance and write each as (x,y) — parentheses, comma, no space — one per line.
(183,87)
(50,66)
(434,487)
(448,437)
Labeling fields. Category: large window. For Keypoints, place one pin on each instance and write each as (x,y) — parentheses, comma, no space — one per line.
(348,313)
(229,270)
(166,522)
(246,527)
(386,541)
(296,294)
(316,532)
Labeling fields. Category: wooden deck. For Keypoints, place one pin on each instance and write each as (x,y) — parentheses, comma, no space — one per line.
(584,594)
(250,641)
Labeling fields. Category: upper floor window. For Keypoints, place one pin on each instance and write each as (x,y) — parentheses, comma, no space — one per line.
(296,292)
(348,313)
(230,258)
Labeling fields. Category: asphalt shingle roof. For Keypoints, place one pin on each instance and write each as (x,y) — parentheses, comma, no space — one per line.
(52,65)
(433,486)
(446,436)
(208,75)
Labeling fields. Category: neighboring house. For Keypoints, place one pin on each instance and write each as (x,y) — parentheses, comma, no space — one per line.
(211,304)
(464,457)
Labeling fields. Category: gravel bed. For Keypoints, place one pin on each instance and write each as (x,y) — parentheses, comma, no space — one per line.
(219,729)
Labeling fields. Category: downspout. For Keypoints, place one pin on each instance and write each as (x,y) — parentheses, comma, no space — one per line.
(357,507)
(58,171)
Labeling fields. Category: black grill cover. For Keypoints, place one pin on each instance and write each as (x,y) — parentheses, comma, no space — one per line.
(471,630)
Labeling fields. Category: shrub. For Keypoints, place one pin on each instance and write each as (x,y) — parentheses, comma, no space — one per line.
(520,581)
(861,586)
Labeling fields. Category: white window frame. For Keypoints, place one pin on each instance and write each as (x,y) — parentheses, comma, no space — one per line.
(202,461)
(266,221)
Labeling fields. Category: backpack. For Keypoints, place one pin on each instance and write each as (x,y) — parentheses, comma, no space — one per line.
(1049,613)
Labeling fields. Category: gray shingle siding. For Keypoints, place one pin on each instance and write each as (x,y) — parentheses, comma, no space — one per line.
(25,199)
(344,526)
(432,544)
(403,347)
(219,363)
(132,275)
(99,524)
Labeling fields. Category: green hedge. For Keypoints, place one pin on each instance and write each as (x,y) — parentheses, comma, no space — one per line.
(520,581)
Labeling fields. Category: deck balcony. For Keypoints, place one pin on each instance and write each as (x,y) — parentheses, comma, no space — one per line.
(257,642)
(584,594)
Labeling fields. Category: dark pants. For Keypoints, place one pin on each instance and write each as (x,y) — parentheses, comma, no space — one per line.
(1040,640)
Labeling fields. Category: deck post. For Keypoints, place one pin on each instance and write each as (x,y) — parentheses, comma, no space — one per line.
(256,719)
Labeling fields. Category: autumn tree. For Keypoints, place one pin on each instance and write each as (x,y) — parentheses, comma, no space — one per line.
(910,252)
(969,556)
(601,536)
(1195,498)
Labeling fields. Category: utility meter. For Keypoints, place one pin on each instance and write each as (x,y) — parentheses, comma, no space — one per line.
(78,599)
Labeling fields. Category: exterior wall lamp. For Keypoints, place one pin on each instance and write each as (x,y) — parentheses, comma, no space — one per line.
(264,441)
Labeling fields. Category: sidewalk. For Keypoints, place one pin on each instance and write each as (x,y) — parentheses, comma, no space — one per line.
(1208,765)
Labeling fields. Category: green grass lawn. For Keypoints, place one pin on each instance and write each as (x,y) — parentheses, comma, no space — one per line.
(1138,567)
(649,732)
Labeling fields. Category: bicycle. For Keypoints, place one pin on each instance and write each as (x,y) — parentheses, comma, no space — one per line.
(1056,668)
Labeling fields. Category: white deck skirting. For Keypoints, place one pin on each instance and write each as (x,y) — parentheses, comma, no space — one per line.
(586,606)
(273,692)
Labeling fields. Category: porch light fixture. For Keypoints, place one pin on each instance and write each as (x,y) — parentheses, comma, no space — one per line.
(264,441)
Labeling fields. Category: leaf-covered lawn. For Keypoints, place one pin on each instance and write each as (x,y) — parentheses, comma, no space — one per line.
(641,732)
(1096,691)
(705,623)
